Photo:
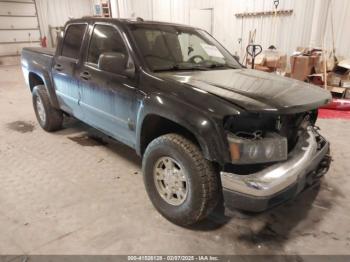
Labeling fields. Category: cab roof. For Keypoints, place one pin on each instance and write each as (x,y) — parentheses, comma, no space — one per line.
(137,21)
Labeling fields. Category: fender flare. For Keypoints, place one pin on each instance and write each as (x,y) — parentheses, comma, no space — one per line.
(206,130)
(47,80)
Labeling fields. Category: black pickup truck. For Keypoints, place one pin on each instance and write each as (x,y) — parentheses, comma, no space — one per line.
(207,128)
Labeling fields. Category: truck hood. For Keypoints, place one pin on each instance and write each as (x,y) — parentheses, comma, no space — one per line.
(254,90)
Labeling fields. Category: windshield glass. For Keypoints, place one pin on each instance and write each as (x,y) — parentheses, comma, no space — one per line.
(166,47)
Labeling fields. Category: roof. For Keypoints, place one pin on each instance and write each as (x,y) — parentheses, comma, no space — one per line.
(125,21)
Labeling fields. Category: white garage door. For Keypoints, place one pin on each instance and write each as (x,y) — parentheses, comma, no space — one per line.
(19,26)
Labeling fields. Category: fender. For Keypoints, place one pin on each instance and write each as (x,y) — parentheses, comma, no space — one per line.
(207,130)
(48,86)
(41,68)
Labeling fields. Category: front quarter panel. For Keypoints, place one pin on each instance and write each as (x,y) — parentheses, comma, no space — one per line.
(207,127)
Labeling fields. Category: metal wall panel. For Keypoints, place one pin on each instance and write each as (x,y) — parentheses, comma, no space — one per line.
(56,13)
(305,27)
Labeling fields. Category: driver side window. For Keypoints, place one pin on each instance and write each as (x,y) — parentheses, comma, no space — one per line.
(104,39)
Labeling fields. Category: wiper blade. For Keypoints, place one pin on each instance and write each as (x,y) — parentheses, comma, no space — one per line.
(220,66)
(180,68)
(177,67)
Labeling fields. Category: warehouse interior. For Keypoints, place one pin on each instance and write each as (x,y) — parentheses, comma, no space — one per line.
(78,191)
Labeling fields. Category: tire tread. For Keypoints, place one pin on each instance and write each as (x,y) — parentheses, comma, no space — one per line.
(209,180)
(54,117)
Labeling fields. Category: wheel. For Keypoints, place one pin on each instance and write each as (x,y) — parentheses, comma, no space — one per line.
(49,118)
(180,182)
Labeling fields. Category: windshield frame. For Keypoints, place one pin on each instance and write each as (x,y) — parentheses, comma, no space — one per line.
(162,27)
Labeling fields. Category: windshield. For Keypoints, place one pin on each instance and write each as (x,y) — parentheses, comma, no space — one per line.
(166,48)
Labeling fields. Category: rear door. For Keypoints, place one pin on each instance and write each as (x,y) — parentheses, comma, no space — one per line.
(64,69)
(108,99)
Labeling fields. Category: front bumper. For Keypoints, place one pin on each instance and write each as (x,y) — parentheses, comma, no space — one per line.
(280,182)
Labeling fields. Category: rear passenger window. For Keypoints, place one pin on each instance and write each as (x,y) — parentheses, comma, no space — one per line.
(73,41)
(105,39)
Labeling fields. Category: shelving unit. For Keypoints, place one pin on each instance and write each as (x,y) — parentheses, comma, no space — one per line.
(106,9)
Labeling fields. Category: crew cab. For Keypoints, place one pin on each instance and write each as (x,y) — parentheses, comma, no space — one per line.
(206,128)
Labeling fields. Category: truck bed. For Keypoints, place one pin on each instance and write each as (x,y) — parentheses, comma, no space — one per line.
(41,50)
(38,62)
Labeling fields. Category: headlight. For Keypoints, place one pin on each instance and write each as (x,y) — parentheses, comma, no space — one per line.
(271,148)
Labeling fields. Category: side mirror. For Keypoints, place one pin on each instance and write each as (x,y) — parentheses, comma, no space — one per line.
(236,57)
(114,62)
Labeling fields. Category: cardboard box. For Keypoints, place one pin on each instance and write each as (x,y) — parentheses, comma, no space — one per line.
(263,68)
(260,59)
(319,65)
(345,64)
(334,79)
(335,89)
(301,67)
(272,61)
(282,62)
(345,83)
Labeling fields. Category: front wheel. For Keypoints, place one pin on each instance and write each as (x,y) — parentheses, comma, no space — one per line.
(180,182)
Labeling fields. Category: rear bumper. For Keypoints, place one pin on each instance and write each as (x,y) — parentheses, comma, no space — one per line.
(280,182)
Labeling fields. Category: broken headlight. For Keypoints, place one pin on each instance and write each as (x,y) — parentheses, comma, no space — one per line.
(255,149)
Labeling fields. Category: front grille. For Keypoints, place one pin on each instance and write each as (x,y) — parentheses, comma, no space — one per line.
(288,126)
(292,125)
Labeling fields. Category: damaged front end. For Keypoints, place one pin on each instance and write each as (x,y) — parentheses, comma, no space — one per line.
(273,158)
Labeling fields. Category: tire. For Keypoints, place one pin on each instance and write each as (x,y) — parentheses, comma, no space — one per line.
(49,118)
(201,180)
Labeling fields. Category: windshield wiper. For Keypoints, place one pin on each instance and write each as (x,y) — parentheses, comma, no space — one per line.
(199,67)
(217,65)
(178,67)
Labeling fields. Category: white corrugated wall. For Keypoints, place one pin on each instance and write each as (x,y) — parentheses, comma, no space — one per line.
(305,27)
(57,12)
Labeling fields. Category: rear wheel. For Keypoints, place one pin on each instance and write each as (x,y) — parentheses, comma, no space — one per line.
(180,182)
(49,118)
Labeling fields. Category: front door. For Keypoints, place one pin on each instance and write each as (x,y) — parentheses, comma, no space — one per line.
(64,70)
(107,99)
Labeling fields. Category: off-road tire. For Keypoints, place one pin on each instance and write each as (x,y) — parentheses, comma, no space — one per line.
(203,188)
(54,117)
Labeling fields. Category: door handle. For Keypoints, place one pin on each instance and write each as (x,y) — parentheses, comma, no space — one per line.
(85,75)
(58,67)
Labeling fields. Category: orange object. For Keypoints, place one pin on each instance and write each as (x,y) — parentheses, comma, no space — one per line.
(235,153)
(43,41)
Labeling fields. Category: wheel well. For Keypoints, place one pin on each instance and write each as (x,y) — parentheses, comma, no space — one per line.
(155,126)
(34,80)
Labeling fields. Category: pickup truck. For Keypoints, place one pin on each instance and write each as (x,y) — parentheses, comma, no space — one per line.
(209,131)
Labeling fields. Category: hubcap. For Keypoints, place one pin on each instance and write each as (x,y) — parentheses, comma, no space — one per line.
(171,181)
(40,109)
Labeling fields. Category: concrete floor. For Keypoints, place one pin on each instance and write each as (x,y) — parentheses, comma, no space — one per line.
(66,193)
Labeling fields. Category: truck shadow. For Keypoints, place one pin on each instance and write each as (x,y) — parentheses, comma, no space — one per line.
(298,217)
(277,225)
(87,136)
